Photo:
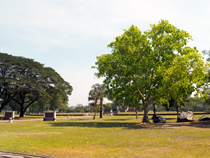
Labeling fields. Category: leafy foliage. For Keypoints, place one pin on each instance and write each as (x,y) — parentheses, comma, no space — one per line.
(141,65)
(26,81)
(96,96)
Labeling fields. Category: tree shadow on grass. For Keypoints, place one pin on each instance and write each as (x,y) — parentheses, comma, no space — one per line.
(126,125)
(196,124)
(133,125)
(97,124)
(103,119)
(117,119)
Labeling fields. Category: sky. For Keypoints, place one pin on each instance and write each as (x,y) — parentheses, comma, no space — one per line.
(68,35)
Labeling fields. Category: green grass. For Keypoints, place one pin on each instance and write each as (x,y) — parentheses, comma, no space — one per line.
(112,136)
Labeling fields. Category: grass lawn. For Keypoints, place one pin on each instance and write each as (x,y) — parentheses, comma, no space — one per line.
(112,136)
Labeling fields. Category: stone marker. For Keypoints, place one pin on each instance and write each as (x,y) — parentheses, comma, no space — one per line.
(68,117)
(8,114)
(126,110)
(86,114)
(158,119)
(111,113)
(204,118)
(49,115)
(10,120)
(186,117)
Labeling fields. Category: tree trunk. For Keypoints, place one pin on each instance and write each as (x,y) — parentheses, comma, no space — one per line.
(177,111)
(21,114)
(94,115)
(21,111)
(24,109)
(101,115)
(154,109)
(145,117)
(136,113)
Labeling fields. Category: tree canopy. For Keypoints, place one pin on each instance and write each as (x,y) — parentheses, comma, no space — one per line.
(138,66)
(26,81)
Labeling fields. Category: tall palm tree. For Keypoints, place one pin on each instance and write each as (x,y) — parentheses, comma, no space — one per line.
(94,98)
(97,93)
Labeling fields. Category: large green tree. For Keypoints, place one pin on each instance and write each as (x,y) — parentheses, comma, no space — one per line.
(43,84)
(32,82)
(138,61)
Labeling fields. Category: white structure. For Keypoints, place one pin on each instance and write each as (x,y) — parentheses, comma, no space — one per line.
(8,114)
(49,115)
(187,115)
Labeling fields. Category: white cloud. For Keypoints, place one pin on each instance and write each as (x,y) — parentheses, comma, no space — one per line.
(45,23)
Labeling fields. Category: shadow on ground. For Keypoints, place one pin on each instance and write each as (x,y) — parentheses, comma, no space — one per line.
(127,125)
(132,125)
(197,124)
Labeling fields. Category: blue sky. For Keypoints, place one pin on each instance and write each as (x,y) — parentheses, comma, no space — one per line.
(67,35)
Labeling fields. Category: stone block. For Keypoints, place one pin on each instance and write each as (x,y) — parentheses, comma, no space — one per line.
(158,119)
(186,117)
(204,118)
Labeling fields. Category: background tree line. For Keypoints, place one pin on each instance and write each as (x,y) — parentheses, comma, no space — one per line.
(88,108)
(26,83)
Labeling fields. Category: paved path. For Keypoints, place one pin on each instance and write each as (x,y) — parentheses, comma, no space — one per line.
(6,121)
(41,119)
(5,154)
